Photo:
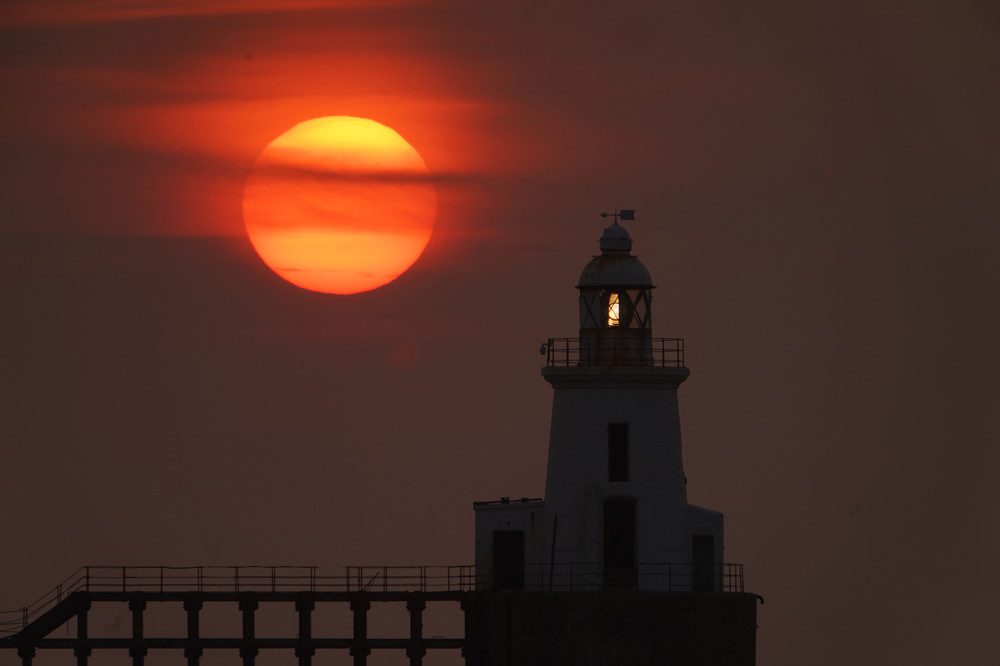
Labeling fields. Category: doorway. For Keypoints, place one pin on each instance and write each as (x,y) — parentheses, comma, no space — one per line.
(702,562)
(508,559)
(620,569)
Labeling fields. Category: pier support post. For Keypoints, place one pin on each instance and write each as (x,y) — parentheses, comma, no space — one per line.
(359,646)
(248,650)
(472,645)
(416,650)
(138,650)
(305,605)
(82,652)
(26,653)
(192,651)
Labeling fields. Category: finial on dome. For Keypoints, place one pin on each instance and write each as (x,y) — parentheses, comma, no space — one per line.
(615,238)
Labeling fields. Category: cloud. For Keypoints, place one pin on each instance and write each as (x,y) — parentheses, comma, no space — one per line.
(36,12)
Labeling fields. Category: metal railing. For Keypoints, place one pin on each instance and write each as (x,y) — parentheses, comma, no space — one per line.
(612,351)
(661,576)
(13,621)
(593,576)
(562,576)
(456,578)
(252,578)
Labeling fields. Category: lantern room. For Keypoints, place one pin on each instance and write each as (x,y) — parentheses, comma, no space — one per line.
(615,304)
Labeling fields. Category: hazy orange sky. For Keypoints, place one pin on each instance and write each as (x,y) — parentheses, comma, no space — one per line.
(816,187)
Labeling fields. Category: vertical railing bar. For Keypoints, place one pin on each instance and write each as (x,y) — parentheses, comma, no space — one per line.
(123,579)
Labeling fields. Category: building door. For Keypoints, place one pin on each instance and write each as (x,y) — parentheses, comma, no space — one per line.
(619,543)
(508,559)
(702,562)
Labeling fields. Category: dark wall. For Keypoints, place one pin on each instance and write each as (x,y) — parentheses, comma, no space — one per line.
(517,628)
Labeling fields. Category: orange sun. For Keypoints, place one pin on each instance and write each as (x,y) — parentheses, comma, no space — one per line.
(339,205)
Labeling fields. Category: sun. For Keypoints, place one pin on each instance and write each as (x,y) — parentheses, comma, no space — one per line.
(339,205)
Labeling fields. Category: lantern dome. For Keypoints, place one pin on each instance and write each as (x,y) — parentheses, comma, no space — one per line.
(615,266)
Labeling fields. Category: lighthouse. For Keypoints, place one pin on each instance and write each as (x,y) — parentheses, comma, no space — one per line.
(615,512)
(613,565)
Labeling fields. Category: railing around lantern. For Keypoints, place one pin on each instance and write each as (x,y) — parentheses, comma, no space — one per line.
(650,352)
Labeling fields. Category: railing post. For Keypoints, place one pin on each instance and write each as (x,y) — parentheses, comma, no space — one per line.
(87,579)
(161,580)
(123,579)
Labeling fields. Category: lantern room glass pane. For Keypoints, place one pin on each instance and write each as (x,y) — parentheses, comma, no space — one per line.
(613,305)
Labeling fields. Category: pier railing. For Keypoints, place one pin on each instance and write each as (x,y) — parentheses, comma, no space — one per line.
(163,579)
(660,576)
(562,576)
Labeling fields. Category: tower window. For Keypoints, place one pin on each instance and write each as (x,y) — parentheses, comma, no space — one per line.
(617,452)
(613,305)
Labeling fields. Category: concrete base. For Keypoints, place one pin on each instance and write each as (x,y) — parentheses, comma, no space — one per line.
(517,628)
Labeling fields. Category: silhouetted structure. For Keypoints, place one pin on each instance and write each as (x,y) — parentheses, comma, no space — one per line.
(191,589)
(612,568)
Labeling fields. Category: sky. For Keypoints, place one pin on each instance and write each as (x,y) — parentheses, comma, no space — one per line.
(817,190)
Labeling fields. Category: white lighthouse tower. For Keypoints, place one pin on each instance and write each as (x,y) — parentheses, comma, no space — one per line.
(615,513)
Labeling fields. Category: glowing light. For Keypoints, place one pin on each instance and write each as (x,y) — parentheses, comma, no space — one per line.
(339,205)
(613,310)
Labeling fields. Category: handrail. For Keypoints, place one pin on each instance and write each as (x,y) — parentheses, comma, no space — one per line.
(243,578)
(611,350)
(661,576)
(723,577)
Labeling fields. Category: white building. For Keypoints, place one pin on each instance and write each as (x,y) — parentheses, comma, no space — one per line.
(615,513)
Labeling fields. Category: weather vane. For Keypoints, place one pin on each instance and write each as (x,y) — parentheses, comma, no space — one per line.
(620,214)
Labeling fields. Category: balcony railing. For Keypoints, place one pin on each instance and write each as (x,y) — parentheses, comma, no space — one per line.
(660,576)
(614,351)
